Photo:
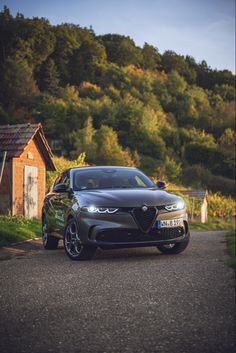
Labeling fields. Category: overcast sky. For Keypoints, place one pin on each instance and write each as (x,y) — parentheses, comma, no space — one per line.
(204,29)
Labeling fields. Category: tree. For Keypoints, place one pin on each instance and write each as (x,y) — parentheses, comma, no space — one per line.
(91,90)
(226,151)
(172,61)
(173,170)
(222,118)
(32,41)
(82,141)
(175,83)
(226,92)
(6,33)
(53,115)
(201,149)
(109,152)
(151,58)
(121,50)
(49,77)
(86,62)
(18,86)
(69,37)
(114,75)
(208,78)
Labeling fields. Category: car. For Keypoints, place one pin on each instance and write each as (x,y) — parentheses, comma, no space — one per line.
(112,207)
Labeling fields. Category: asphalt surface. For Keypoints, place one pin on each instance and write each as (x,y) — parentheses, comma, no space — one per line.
(123,301)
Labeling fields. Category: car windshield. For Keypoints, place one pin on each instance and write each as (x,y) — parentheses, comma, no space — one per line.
(113,178)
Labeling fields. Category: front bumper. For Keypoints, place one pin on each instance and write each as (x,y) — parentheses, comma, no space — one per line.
(121,230)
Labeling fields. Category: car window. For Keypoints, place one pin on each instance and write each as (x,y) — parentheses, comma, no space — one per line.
(139,181)
(110,178)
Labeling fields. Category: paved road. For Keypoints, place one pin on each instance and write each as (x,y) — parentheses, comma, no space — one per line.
(124,301)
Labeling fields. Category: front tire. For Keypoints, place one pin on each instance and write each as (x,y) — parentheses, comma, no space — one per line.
(49,242)
(173,248)
(74,248)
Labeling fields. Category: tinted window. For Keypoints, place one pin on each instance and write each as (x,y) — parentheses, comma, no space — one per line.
(110,178)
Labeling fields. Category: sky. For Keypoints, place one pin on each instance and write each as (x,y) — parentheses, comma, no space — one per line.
(204,29)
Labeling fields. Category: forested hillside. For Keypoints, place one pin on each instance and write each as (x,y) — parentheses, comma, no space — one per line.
(119,103)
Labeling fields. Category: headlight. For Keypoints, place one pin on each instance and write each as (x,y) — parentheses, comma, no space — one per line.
(176,206)
(93,209)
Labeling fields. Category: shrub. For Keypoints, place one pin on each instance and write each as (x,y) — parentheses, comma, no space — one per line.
(221,206)
(198,176)
(61,165)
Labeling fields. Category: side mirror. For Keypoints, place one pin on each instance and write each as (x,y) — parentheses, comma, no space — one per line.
(60,188)
(161,184)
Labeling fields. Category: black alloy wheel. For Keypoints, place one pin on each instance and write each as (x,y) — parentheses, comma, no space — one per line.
(49,242)
(73,245)
(173,248)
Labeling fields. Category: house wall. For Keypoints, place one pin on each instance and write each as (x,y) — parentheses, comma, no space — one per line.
(5,189)
(30,157)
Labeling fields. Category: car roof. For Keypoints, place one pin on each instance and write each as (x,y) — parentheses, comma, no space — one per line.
(100,167)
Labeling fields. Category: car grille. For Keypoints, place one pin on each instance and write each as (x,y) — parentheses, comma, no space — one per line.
(135,236)
(144,219)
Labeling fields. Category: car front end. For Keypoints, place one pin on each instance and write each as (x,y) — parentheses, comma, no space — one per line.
(131,226)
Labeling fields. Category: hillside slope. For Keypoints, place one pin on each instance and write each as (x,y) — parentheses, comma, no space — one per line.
(119,103)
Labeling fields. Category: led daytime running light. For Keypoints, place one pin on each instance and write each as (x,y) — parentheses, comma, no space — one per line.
(93,209)
(177,206)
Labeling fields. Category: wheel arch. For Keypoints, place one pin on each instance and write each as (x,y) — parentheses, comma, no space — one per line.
(70,216)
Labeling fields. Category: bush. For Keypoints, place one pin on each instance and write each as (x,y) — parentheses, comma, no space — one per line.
(61,165)
(198,176)
(221,206)
(225,185)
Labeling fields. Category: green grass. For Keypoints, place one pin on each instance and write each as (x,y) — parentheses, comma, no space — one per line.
(14,229)
(215,224)
(231,244)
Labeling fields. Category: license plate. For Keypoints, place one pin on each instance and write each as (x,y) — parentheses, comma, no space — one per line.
(170,223)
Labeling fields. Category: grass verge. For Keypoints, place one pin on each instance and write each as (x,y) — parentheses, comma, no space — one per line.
(213,225)
(231,244)
(14,229)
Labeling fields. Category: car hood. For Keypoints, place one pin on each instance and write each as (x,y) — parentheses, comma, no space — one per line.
(125,198)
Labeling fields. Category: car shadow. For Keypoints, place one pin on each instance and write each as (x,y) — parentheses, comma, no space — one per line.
(35,248)
(126,254)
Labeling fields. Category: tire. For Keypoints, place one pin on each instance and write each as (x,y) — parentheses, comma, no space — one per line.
(73,245)
(49,242)
(176,248)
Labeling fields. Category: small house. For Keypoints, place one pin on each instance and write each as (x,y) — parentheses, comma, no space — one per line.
(25,156)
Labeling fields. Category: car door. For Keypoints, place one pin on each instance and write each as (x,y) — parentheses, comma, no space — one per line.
(51,206)
(62,204)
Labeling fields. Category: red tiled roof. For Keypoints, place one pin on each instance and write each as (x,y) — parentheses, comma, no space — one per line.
(14,139)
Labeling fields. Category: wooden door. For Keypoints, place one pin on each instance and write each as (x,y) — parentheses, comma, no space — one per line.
(30,191)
